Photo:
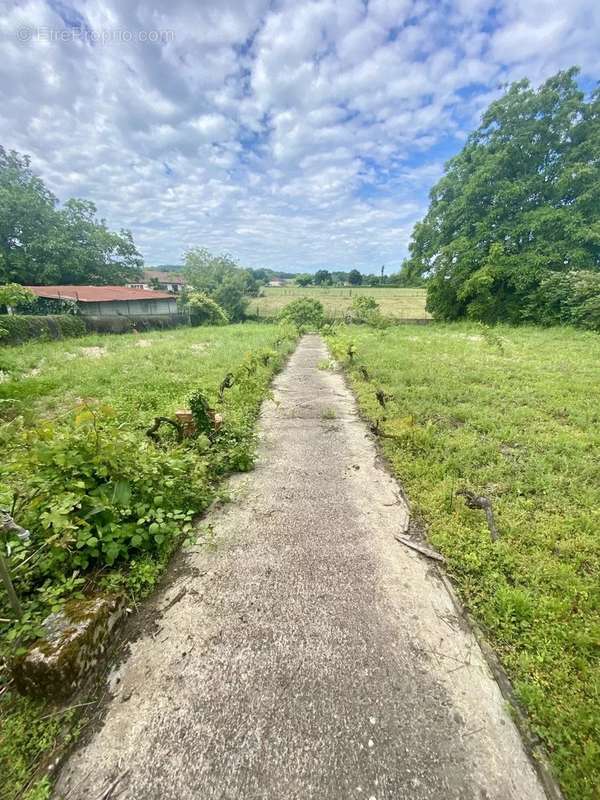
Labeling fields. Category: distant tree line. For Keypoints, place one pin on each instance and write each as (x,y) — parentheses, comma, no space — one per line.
(324,277)
(513,228)
(44,243)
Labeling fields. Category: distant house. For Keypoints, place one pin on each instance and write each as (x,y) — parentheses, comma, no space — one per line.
(112,301)
(276,282)
(162,281)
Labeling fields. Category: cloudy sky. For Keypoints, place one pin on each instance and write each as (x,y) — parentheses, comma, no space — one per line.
(294,134)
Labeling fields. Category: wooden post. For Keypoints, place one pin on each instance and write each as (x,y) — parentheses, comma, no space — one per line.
(10,589)
(7,524)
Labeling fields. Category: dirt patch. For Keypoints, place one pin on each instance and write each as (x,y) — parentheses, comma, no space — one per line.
(33,373)
(93,352)
(143,343)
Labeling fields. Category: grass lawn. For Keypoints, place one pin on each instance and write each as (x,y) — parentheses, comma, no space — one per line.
(513,414)
(397,303)
(139,375)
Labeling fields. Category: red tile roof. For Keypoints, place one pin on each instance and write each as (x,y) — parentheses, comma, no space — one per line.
(98,294)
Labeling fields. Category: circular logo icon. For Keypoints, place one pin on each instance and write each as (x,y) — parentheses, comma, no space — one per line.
(25,34)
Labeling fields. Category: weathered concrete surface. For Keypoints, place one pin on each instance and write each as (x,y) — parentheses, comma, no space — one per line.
(312,656)
(75,641)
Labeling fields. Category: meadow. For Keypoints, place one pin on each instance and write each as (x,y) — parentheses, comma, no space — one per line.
(512,414)
(139,375)
(398,304)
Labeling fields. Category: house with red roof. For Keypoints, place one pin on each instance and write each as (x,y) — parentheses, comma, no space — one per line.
(112,301)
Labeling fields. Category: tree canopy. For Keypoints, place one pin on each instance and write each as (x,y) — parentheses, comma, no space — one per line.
(322,277)
(521,199)
(42,243)
(222,279)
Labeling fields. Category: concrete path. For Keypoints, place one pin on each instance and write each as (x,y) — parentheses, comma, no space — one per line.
(312,655)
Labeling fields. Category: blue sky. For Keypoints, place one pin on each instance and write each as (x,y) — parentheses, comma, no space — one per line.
(293,134)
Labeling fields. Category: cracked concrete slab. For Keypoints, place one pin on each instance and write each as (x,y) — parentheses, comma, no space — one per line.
(311,655)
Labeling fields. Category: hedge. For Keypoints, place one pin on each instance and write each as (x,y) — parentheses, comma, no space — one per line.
(128,324)
(17,328)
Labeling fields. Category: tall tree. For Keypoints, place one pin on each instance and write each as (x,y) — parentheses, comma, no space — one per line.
(354,277)
(520,199)
(322,277)
(221,278)
(41,243)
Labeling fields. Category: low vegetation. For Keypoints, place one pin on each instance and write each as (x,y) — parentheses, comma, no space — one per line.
(16,328)
(511,414)
(306,313)
(105,504)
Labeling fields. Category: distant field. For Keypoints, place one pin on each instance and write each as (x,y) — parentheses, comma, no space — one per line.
(399,303)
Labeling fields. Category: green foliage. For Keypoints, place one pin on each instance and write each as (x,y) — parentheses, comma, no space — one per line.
(15,329)
(222,279)
(520,202)
(305,313)
(14,295)
(354,277)
(93,495)
(303,279)
(567,298)
(28,732)
(95,492)
(365,310)
(201,412)
(322,277)
(486,409)
(204,310)
(41,243)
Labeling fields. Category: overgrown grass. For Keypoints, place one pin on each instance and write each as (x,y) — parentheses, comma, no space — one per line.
(139,375)
(106,506)
(512,414)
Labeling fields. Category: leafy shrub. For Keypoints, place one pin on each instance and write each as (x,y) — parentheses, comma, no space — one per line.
(304,313)
(365,310)
(204,310)
(567,298)
(16,328)
(92,494)
(14,295)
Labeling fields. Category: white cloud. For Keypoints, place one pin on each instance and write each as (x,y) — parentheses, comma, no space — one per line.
(295,134)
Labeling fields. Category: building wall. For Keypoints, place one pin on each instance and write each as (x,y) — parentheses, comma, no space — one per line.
(129,308)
